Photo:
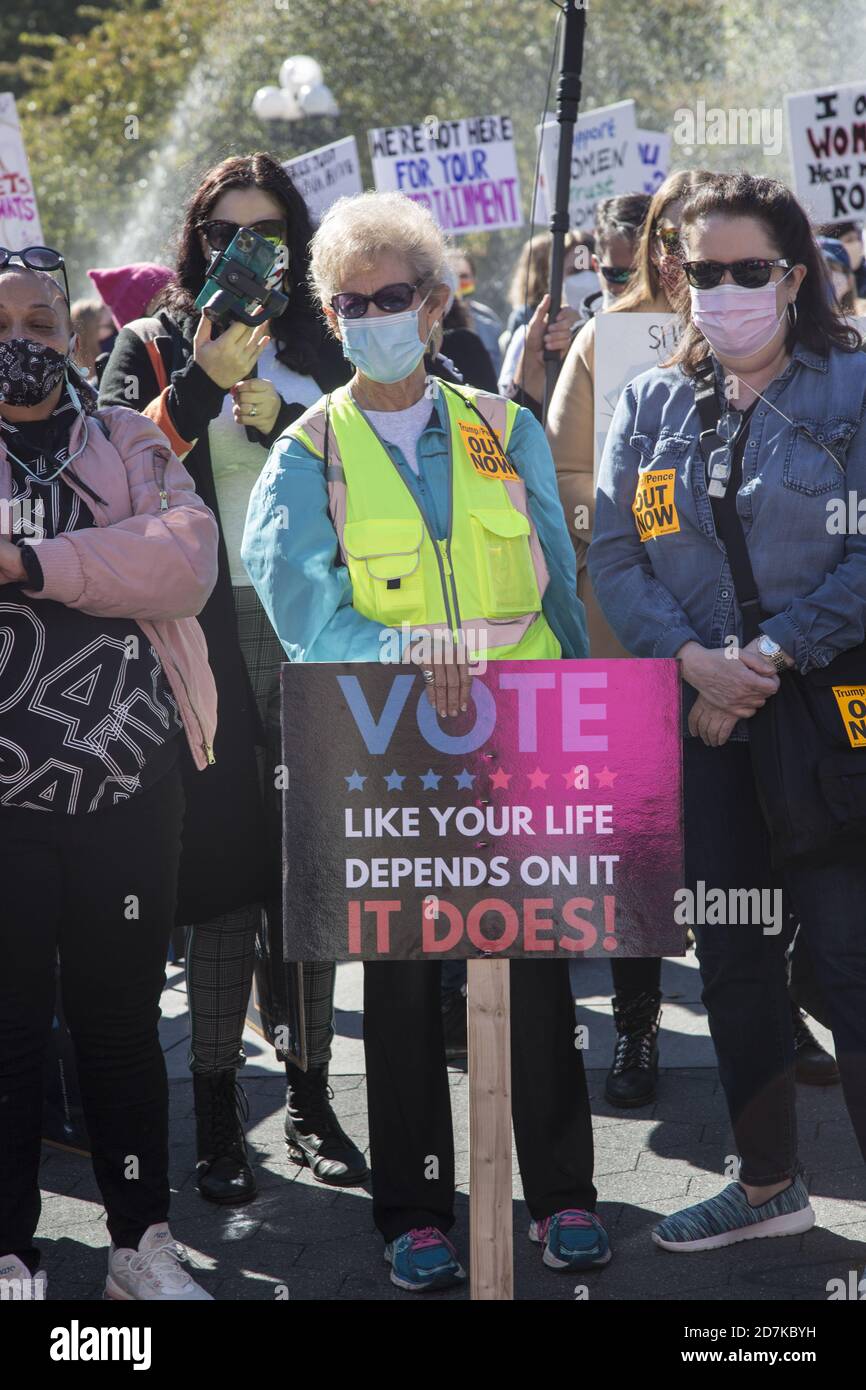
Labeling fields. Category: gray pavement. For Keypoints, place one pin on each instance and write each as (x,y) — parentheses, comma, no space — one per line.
(300,1240)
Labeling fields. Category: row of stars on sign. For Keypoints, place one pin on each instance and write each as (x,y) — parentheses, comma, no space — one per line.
(466,780)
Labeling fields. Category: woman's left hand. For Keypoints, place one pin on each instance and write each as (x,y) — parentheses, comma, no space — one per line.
(12,570)
(256,403)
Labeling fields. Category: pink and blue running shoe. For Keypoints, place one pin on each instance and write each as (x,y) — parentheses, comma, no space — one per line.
(423,1259)
(572,1239)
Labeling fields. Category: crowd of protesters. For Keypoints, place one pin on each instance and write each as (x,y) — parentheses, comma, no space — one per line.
(149,613)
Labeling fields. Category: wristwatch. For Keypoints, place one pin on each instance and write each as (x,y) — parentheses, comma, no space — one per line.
(773,652)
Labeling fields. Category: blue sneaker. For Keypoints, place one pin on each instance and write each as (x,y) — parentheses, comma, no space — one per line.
(423,1259)
(728,1218)
(572,1239)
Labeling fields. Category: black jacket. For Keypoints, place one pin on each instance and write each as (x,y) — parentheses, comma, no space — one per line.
(226,863)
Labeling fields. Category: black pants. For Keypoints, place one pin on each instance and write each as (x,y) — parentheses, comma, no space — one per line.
(743,969)
(100,889)
(409,1105)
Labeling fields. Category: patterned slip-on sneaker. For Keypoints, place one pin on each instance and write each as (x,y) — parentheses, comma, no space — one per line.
(728,1218)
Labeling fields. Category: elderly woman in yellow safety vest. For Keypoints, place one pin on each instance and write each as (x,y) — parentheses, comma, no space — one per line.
(471,546)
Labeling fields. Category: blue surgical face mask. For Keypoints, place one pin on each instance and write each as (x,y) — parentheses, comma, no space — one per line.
(387,348)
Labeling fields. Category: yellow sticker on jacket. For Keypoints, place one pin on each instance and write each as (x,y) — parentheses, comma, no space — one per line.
(488,458)
(851,700)
(655,512)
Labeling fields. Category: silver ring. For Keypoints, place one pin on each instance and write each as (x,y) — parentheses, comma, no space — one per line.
(428,676)
(254,410)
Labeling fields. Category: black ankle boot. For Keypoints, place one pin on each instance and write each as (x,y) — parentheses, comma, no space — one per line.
(633,1078)
(223,1173)
(815,1066)
(313,1133)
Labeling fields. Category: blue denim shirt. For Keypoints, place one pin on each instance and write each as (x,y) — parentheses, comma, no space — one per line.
(307,592)
(659,593)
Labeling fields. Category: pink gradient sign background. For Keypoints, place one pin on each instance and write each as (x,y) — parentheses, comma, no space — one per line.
(557,796)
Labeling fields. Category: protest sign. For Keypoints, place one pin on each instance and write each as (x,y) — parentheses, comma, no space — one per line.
(326,174)
(625,346)
(19,218)
(543,822)
(464,171)
(827,128)
(605,160)
(654,153)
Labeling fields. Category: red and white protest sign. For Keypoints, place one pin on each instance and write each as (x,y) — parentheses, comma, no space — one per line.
(19,218)
(828,150)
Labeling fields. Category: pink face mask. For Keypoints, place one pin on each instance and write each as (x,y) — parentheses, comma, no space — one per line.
(737,322)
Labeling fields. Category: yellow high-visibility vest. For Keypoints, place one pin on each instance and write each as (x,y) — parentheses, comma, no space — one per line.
(486,579)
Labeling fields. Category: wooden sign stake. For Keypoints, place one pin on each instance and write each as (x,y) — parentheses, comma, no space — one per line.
(491,1265)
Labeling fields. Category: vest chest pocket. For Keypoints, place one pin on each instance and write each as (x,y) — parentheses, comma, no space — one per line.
(385,567)
(506,574)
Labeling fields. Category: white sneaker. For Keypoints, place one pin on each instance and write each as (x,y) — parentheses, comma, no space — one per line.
(17,1283)
(152,1272)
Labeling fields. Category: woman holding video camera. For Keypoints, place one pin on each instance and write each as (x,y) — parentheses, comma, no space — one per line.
(206,391)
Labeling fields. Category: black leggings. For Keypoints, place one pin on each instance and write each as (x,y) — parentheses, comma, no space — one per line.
(100,889)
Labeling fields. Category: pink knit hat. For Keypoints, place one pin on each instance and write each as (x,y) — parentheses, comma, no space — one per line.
(128,289)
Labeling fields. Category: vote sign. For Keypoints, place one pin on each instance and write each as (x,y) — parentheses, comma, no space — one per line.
(545,821)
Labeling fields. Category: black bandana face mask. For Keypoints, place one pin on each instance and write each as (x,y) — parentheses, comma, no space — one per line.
(29,371)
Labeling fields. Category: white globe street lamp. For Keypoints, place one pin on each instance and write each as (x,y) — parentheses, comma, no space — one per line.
(302,92)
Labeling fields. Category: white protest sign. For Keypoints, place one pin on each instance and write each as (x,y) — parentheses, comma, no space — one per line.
(19,219)
(326,174)
(464,171)
(604,159)
(654,153)
(625,346)
(827,128)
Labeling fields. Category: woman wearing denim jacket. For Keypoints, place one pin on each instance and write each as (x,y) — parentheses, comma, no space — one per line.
(758,311)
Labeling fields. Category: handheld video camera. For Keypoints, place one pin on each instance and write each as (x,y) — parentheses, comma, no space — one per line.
(236,282)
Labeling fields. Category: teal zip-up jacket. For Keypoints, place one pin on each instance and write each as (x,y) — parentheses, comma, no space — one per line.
(291,553)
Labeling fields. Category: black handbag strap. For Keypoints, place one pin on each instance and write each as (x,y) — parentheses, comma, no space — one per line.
(729,528)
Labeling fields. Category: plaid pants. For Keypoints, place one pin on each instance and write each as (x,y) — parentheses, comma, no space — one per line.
(220,954)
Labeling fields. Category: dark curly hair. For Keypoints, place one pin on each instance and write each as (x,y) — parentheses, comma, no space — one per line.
(298,332)
(818,326)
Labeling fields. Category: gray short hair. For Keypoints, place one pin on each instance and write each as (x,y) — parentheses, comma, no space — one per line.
(356,231)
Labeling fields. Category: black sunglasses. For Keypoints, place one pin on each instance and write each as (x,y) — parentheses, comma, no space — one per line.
(220,234)
(37,258)
(615,276)
(391,299)
(750,274)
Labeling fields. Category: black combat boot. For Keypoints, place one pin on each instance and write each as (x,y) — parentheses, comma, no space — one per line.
(313,1133)
(814,1064)
(633,1078)
(222,1172)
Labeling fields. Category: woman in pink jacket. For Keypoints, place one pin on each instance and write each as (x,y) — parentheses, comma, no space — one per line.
(106,555)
